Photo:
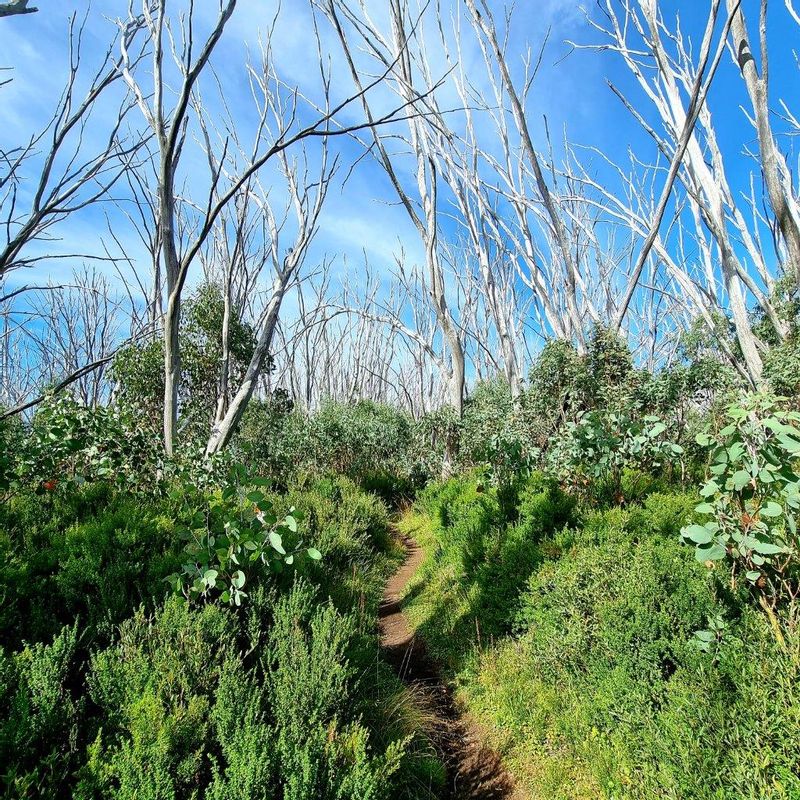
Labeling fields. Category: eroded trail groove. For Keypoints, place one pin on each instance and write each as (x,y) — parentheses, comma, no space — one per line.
(475,772)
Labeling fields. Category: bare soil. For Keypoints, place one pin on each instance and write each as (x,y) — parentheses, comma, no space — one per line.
(474,771)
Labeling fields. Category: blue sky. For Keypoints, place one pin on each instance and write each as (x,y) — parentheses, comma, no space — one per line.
(570,91)
(35,46)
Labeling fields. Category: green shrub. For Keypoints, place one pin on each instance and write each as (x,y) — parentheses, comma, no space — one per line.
(603,690)
(599,455)
(91,555)
(350,529)
(185,714)
(752,497)
(323,752)
(138,369)
(627,606)
(39,718)
(365,441)
(479,559)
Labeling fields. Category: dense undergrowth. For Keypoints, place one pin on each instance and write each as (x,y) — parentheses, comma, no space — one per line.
(109,690)
(611,580)
(571,633)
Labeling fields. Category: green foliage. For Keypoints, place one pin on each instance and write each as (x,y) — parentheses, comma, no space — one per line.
(366,441)
(355,440)
(782,358)
(432,437)
(752,497)
(186,714)
(557,390)
(138,369)
(230,538)
(38,717)
(605,690)
(576,404)
(12,439)
(782,367)
(480,558)
(89,554)
(68,443)
(270,436)
(185,700)
(495,434)
(594,453)
(609,368)
(321,754)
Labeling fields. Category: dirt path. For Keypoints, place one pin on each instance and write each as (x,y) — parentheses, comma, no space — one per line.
(475,772)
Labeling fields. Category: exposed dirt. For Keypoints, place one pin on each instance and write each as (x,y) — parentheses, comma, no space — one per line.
(475,772)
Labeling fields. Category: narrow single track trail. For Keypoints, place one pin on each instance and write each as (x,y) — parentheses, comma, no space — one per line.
(474,771)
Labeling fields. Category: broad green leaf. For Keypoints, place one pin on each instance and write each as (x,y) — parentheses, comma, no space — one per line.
(277,543)
(740,479)
(238,579)
(771,509)
(768,548)
(736,451)
(712,487)
(710,552)
(314,553)
(698,534)
(790,445)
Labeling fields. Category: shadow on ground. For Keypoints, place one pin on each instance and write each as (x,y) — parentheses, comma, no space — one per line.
(475,772)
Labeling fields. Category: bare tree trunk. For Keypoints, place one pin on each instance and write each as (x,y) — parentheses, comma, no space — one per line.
(776,173)
(222,433)
(484,22)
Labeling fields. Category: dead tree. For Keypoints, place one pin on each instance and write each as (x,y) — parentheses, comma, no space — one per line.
(169,114)
(724,228)
(57,173)
(401,51)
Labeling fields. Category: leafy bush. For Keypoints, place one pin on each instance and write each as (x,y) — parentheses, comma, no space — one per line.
(593,454)
(604,690)
(39,723)
(231,536)
(753,496)
(68,443)
(180,700)
(138,368)
(88,554)
(495,434)
(184,713)
(365,441)
(479,560)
